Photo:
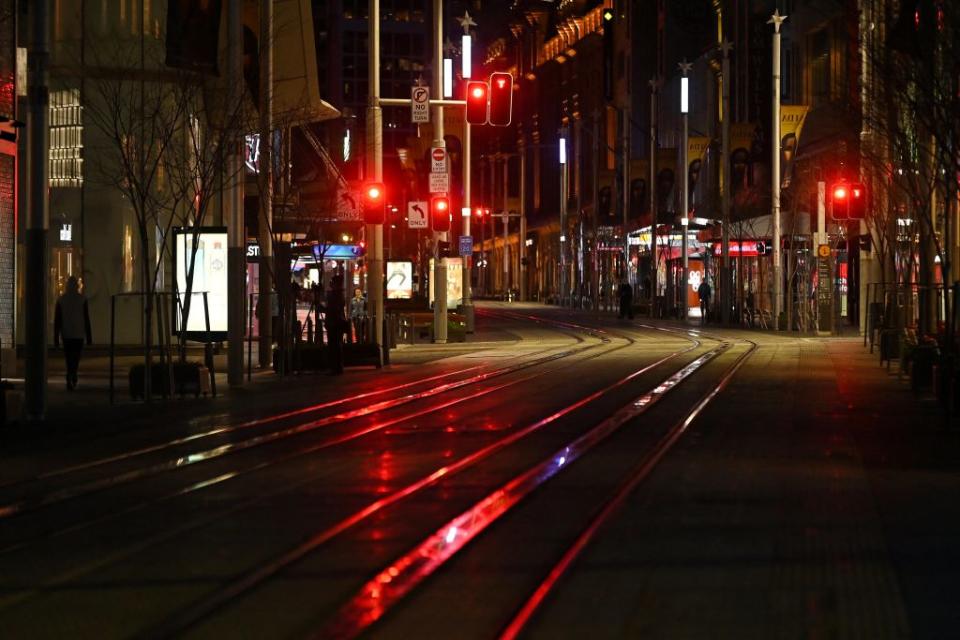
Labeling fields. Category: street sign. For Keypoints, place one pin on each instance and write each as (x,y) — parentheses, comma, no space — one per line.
(419,105)
(438,160)
(823,251)
(466,246)
(348,205)
(439,182)
(417,214)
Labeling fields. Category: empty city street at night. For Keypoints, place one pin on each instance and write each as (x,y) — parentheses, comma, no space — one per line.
(571,476)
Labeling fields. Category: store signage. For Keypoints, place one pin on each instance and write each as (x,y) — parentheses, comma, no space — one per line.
(745,248)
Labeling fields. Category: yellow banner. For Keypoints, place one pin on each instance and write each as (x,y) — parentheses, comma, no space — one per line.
(792,117)
(741,145)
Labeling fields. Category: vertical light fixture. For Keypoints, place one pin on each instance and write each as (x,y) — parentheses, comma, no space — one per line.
(466,52)
(448,77)
(563,150)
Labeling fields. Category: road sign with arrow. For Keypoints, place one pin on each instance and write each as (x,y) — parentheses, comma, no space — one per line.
(348,205)
(417,214)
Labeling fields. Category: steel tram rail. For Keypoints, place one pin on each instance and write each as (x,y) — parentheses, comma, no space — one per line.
(208,606)
(385,590)
(640,473)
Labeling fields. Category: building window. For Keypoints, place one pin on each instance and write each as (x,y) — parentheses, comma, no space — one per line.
(66,139)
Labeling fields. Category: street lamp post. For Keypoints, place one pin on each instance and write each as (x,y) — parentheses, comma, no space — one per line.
(564,169)
(776,20)
(439,268)
(726,282)
(685,68)
(652,191)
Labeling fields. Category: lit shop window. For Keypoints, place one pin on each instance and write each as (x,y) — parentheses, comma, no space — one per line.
(66,139)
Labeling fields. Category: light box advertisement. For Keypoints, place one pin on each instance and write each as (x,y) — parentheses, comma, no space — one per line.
(209,275)
(399,280)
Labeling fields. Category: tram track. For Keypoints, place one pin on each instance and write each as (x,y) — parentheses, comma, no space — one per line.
(207,607)
(15,507)
(204,608)
(234,474)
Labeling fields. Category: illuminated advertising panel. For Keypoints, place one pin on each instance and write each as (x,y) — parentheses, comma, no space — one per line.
(399,280)
(454,282)
(209,275)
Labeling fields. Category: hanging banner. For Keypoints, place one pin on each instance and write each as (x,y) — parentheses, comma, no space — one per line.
(666,181)
(792,117)
(741,143)
(696,152)
(639,195)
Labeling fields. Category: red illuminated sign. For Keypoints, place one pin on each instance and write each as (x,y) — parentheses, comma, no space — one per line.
(746,248)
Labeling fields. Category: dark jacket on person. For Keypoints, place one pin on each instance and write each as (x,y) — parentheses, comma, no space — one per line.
(335,319)
(72,318)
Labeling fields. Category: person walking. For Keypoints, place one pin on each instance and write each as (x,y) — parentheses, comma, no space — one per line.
(626,300)
(72,323)
(705,292)
(358,315)
(336,324)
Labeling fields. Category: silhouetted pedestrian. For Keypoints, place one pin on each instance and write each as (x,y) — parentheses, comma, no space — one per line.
(72,323)
(705,292)
(626,300)
(336,324)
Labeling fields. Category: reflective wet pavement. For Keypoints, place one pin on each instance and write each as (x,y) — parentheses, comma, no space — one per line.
(810,496)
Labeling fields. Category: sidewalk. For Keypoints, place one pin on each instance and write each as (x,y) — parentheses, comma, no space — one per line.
(87,410)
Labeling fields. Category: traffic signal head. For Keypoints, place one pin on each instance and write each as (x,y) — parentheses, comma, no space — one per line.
(374,203)
(440,213)
(858,202)
(840,201)
(477,94)
(501,99)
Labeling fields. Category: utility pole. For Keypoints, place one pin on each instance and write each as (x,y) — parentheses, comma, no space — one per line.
(776,20)
(507,257)
(522,240)
(35,311)
(439,267)
(685,68)
(236,237)
(466,212)
(266,191)
(625,195)
(374,232)
(564,186)
(726,283)
(652,192)
(595,272)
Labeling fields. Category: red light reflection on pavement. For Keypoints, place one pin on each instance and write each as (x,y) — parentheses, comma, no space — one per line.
(392,584)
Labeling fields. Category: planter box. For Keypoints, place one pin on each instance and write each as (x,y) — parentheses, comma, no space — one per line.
(188,377)
(310,357)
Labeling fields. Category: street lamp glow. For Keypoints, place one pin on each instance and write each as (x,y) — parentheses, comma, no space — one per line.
(684,95)
(563,151)
(466,50)
(447,77)
(346,145)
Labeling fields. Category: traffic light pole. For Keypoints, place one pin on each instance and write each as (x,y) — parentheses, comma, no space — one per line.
(439,268)
(467,210)
(652,191)
(374,232)
(776,20)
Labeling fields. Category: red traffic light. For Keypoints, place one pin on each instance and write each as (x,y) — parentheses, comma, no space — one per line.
(477,102)
(440,213)
(839,193)
(501,99)
(858,202)
(374,203)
